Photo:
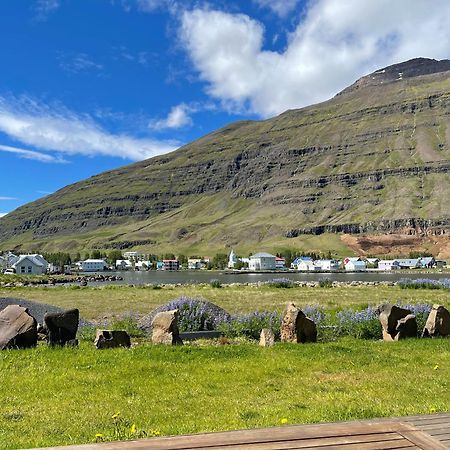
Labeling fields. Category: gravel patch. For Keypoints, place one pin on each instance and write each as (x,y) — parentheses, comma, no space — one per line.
(36,309)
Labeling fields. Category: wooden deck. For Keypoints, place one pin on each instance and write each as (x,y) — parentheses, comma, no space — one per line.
(436,425)
(430,432)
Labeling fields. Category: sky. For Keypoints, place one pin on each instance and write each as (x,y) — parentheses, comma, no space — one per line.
(88,86)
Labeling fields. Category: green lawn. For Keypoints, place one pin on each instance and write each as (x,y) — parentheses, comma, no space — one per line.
(108,301)
(67,396)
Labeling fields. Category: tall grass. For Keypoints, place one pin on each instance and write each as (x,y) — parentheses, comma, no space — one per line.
(69,395)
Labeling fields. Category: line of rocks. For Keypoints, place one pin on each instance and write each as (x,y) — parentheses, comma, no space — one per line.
(53,281)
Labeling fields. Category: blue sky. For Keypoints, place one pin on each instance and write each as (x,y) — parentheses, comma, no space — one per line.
(87,86)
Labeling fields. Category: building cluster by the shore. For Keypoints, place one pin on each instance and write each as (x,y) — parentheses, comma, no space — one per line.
(35,264)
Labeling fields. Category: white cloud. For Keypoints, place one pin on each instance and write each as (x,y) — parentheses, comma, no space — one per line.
(31,154)
(150,6)
(2,214)
(80,62)
(60,130)
(178,117)
(337,42)
(7,198)
(280,7)
(43,8)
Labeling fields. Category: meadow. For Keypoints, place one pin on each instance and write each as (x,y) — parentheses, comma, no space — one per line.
(82,395)
(58,396)
(111,301)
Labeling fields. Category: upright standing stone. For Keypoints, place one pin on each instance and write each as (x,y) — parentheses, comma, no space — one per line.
(112,339)
(296,327)
(165,328)
(438,322)
(18,328)
(397,323)
(62,327)
(406,327)
(267,338)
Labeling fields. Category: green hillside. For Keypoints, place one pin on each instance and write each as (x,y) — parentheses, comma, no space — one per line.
(374,159)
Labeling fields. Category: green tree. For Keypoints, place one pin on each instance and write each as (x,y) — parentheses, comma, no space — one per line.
(183,260)
(96,254)
(220,261)
(114,255)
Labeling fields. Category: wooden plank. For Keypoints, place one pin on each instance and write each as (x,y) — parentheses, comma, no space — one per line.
(317,442)
(278,434)
(444,417)
(361,434)
(388,445)
(423,440)
(433,426)
(441,436)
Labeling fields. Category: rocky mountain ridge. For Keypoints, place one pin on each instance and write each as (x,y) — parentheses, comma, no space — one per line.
(378,153)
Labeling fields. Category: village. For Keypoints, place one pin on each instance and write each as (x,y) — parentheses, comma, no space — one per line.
(36,264)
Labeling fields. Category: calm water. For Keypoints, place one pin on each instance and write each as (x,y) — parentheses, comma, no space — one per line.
(200,276)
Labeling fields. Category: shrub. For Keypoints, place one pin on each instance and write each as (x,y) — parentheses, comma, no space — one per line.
(280,283)
(194,314)
(326,283)
(215,283)
(250,325)
(424,283)
(360,324)
(129,323)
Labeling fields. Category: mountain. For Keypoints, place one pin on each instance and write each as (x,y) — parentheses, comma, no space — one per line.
(368,170)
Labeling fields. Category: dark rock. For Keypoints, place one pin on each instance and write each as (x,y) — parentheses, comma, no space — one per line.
(296,327)
(165,328)
(18,329)
(406,327)
(112,339)
(438,322)
(62,327)
(394,327)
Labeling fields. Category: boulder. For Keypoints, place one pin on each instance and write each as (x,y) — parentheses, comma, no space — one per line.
(438,322)
(406,327)
(62,327)
(112,339)
(389,316)
(18,329)
(296,327)
(165,328)
(267,338)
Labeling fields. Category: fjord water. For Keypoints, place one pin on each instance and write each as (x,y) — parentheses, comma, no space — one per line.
(194,277)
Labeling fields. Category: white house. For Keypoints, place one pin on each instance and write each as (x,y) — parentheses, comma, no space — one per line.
(388,264)
(124,264)
(262,261)
(298,260)
(198,263)
(280,262)
(308,265)
(93,265)
(409,263)
(328,265)
(354,264)
(135,256)
(143,265)
(30,265)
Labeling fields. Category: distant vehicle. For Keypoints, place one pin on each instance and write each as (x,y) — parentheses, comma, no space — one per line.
(9,272)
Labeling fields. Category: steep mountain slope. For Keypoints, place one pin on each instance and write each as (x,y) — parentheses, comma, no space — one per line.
(374,159)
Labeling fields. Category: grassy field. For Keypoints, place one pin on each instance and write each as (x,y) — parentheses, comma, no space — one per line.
(63,396)
(109,301)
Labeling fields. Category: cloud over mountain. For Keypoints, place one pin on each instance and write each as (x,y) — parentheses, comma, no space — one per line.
(334,43)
